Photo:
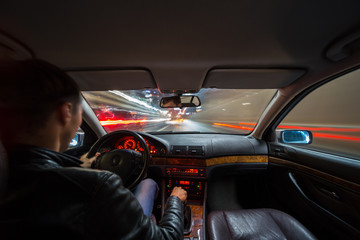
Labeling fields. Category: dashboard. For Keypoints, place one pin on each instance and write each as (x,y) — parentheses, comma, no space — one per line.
(185,146)
(130,143)
(187,160)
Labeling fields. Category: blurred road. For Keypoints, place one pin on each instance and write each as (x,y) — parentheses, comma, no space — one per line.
(230,111)
(176,126)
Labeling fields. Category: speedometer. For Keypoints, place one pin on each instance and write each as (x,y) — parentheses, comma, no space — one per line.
(130,144)
(139,145)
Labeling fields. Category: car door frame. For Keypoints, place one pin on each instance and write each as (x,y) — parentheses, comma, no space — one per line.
(311,184)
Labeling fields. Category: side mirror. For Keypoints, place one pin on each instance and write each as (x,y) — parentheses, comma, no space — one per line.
(180,101)
(296,136)
(77,141)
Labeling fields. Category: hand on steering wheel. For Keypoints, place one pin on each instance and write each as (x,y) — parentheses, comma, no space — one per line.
(130,165)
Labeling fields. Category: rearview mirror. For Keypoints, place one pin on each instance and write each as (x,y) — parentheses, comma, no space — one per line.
(180,101)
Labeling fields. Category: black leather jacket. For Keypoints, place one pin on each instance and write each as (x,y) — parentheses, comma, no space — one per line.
(51,196)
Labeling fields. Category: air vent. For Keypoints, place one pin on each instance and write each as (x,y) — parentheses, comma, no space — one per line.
(188,150)
(179,150)
(195,150)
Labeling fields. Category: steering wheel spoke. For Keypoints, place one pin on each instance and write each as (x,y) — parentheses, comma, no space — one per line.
(131,166)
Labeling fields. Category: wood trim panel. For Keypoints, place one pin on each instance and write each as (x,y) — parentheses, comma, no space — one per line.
(211,161)
(237,159)
(296,166)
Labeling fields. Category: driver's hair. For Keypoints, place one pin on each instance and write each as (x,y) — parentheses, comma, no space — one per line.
(31,90)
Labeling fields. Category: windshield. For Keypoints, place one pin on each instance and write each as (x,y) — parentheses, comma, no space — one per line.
(221,111)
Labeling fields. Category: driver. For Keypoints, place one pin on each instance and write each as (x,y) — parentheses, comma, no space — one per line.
(48,193)
(145,192)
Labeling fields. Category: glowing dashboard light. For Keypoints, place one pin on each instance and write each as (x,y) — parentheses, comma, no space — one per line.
(184,182)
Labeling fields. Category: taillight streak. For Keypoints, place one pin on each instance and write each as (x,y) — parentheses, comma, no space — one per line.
(315,130)
(117,122)
(336,137)
(234,126)
(123,122)
(321,129)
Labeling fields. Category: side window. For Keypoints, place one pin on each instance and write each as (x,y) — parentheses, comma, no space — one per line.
(332,113)
(78,140)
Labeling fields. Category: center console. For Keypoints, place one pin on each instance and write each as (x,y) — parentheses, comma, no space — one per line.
(194,188)
(190,179)
(193,180)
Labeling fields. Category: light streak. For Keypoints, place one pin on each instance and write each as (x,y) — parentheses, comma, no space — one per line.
(182,112)
(118,122)
(250,124)
(321,129)
(137,101)
(336,137)
(316,131)
(233,126)
(123,122)
(175,121)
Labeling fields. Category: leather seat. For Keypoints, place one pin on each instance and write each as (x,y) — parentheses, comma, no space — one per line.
(255,224)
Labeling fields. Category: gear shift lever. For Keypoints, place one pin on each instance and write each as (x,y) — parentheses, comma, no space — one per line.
(187,219)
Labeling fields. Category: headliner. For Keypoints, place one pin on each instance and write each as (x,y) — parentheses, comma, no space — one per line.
(180,42)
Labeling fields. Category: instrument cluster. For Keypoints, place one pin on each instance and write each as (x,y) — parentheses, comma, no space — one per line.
(131,143)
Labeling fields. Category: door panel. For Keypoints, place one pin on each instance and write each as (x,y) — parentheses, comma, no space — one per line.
(321,190)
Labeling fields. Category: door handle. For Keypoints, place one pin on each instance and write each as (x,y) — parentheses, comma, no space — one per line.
(330,193)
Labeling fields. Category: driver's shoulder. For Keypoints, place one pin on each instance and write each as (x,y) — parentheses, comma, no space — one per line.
(88,180)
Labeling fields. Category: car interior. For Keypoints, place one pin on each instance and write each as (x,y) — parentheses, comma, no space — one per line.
(3,171)
(251,106)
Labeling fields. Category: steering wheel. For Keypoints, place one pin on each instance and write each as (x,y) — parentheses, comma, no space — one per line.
(130,165)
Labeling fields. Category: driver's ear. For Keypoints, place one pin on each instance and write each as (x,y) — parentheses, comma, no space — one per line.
(65,112)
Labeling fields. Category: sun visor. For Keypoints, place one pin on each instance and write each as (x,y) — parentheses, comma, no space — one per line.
(251,78)
(103,80)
